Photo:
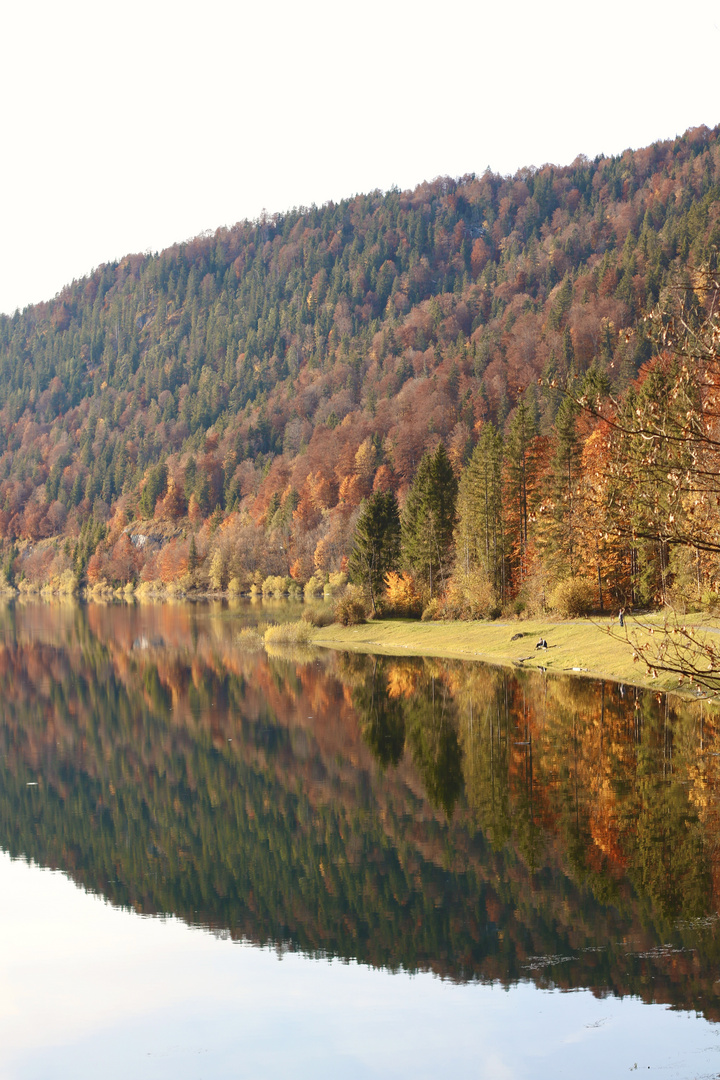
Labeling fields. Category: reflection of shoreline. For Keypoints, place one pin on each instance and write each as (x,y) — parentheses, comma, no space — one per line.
(579,647)
(412,813)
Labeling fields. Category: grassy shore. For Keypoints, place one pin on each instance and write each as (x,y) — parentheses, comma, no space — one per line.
(597,648)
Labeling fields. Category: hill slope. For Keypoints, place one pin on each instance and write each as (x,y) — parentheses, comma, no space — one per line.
(284,367)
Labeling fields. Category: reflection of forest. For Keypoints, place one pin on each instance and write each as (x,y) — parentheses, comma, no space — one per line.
(403,812)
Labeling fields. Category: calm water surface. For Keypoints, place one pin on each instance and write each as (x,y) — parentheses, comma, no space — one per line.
(226,863)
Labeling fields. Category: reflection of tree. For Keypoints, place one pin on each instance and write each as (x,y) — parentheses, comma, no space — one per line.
(408,701)
(483,703)
(178,773)
(381,716)
(432,736)
(668,847)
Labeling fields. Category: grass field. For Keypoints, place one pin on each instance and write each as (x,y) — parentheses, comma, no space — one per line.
(597,648)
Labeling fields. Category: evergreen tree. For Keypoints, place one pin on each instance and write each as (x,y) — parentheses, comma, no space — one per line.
(428,520)
(376,544)
(479,536)
(155,488)
(562,547)
(192,555)
(521,470)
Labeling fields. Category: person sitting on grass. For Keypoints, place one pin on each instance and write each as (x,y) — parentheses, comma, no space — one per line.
(542,644)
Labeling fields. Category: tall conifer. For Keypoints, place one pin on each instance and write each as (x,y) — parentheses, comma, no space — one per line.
(520,467)
(428,520)
(562,547)
(376,544)
(479,535)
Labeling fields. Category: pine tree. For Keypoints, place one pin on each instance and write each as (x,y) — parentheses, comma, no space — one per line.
(376,543)
(428,520)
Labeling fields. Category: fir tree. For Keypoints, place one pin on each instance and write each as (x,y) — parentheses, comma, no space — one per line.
(520,468)
(376,544)
(428,520)
(479,536)
(562,540)
(192,555)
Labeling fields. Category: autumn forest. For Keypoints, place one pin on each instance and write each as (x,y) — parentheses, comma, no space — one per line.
(541,348)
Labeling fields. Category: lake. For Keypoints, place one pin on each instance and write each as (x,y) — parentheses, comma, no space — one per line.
(219,861)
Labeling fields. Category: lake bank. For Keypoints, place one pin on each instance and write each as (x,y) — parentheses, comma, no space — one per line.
(595,648)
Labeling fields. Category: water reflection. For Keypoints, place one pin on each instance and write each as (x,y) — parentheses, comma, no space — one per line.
(405,813)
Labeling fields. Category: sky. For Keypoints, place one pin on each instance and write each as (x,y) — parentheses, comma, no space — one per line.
(129,127)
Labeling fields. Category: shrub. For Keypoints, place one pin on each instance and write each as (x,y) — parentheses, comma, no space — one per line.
(573,597)
(335,583)
(65,584)
(711,600)
(275,585)
(28,586)
(99,592)
(469,595)
(175,589)
(402,599)
(148,589)
(234,586)
(289,633)
(350,608)
(313,587)
(318,616)
(533,595)
(432,611)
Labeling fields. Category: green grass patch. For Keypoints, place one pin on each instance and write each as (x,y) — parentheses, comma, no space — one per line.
(592,647)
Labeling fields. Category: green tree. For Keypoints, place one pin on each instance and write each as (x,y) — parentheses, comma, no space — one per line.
(479,536)
(155,488)
(381,717)
(561,546)
(376,544)
(521,473)
(428,519)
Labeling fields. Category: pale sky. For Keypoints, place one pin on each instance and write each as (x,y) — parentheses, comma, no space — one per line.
(129,127)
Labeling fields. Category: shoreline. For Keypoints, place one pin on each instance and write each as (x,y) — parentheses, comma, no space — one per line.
(588,648)
(593,648)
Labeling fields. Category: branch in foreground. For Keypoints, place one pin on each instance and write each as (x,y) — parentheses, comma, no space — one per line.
(675,648)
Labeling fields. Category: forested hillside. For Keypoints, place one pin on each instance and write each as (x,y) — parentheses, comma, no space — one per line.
(247,390)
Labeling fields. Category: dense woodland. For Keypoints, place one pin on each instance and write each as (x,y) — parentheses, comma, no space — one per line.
(402,812)
(219,413)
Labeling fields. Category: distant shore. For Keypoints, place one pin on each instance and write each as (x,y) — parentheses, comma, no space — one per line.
(595,648)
